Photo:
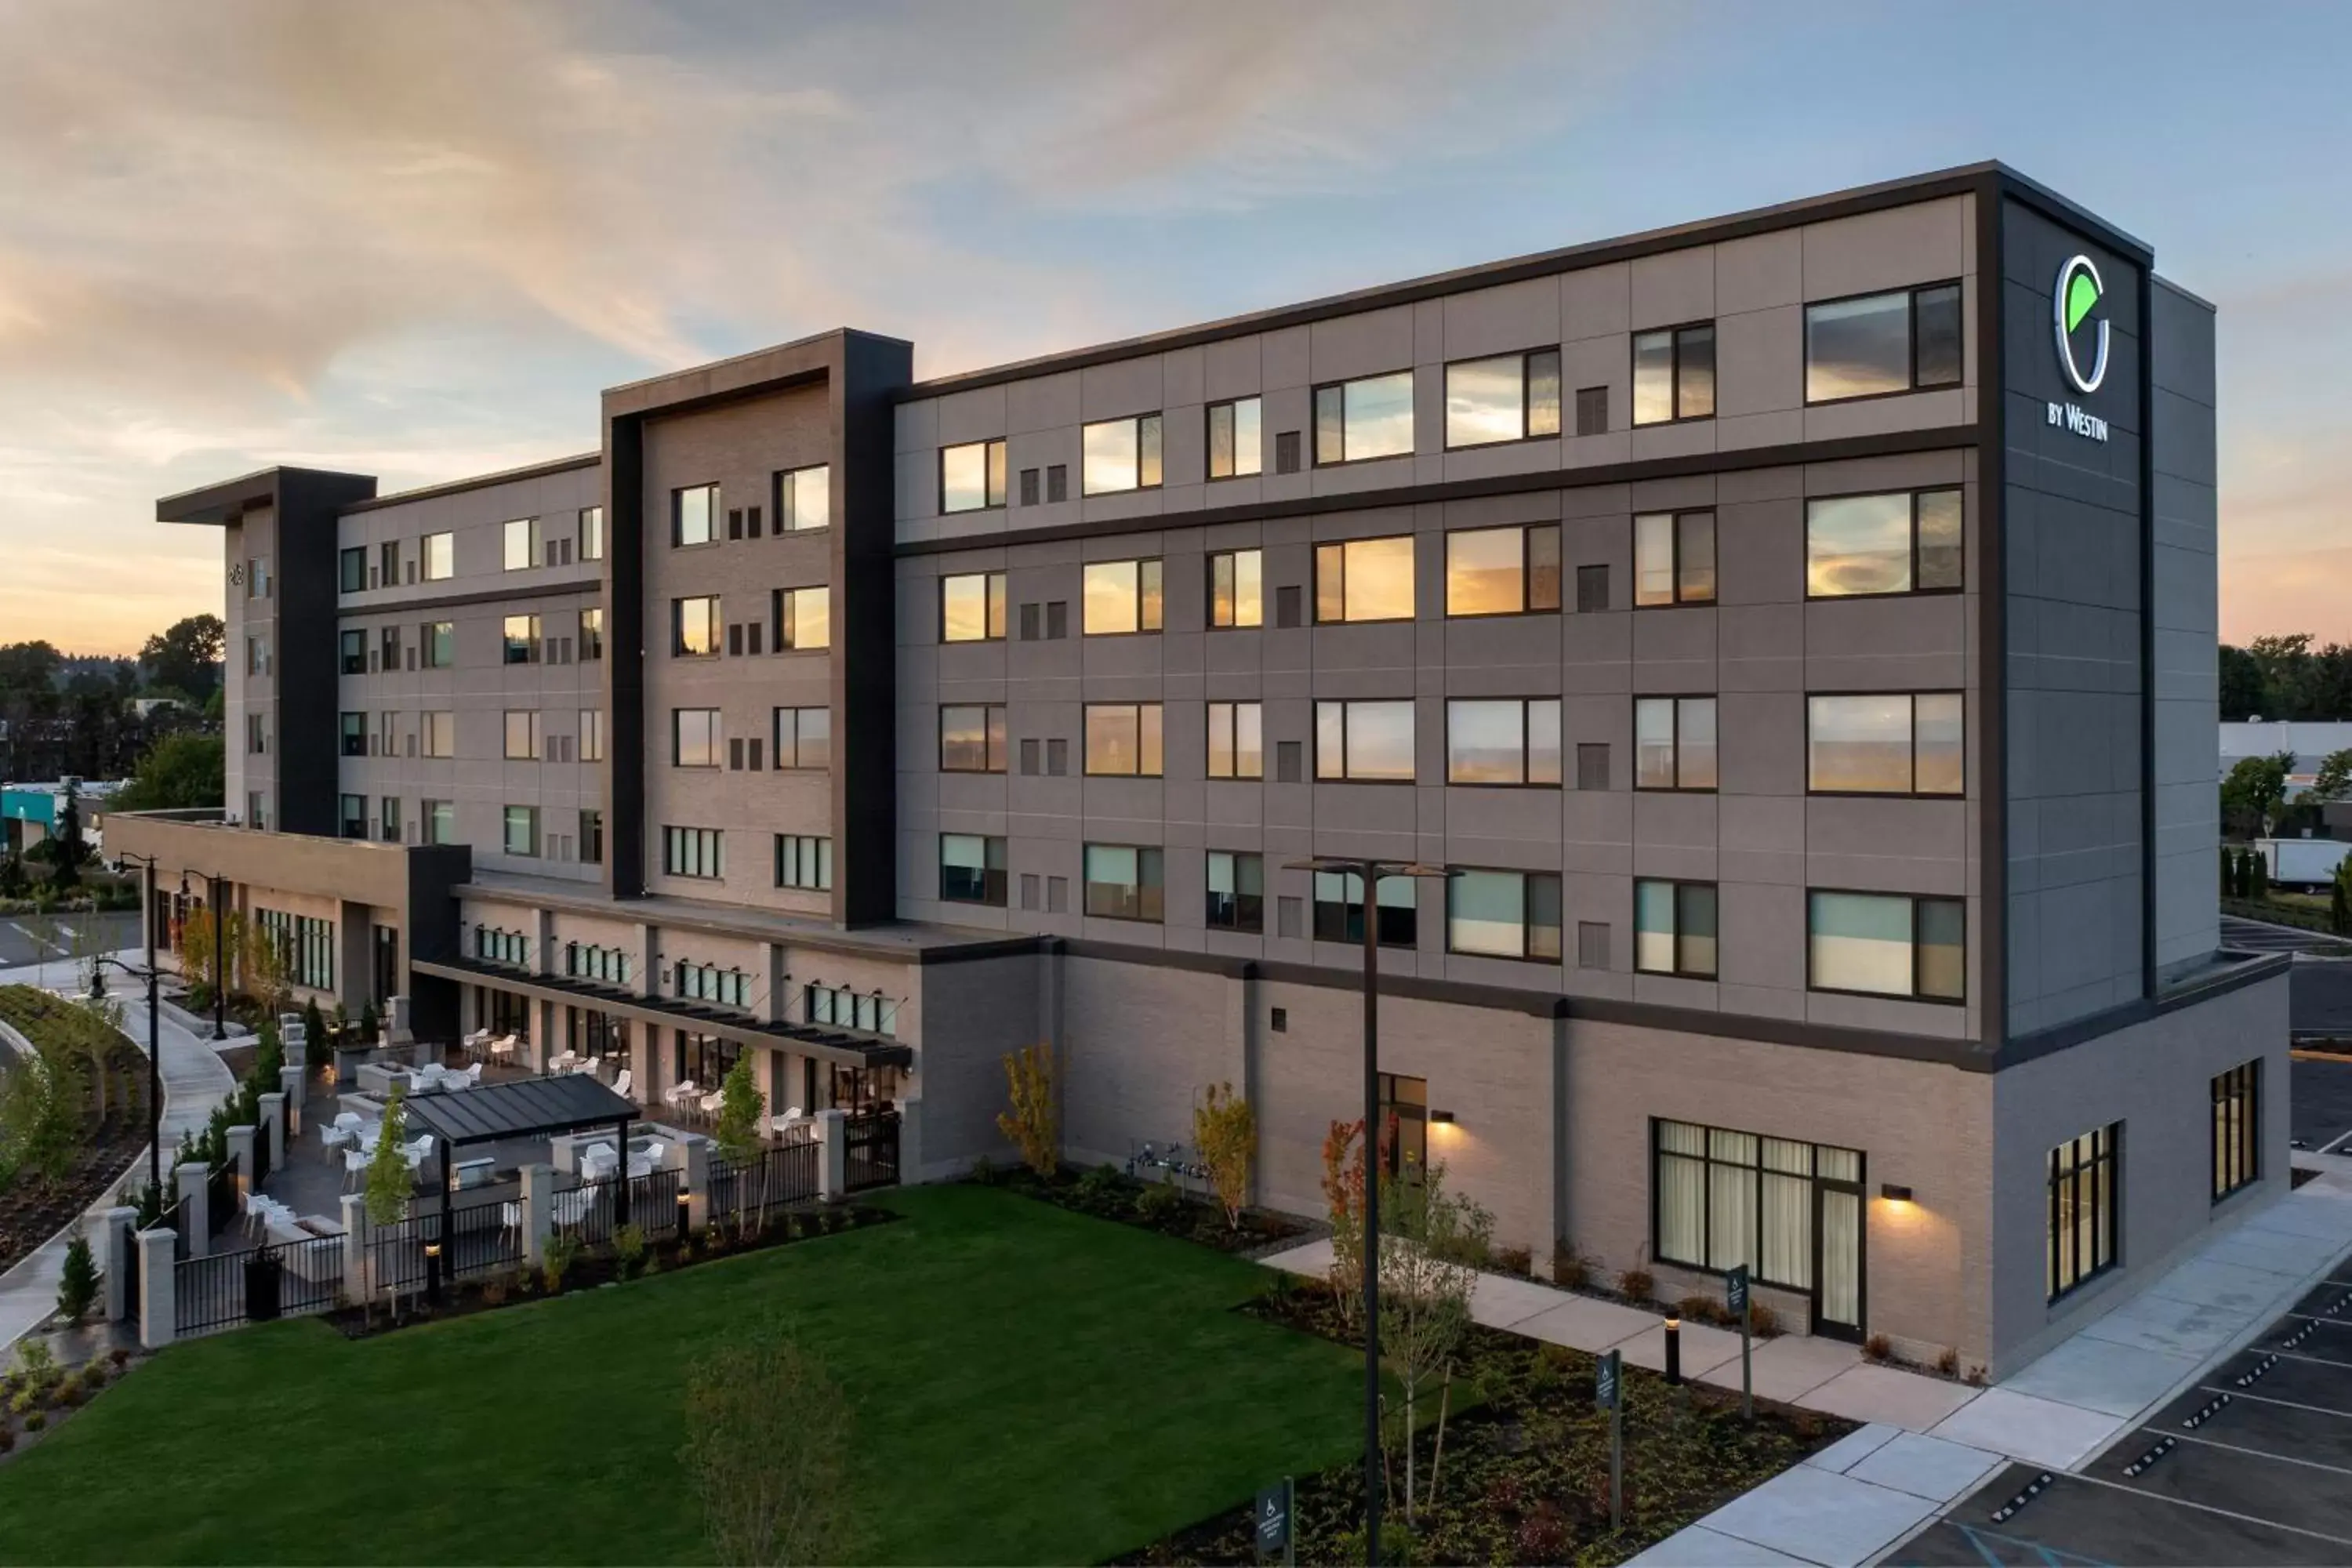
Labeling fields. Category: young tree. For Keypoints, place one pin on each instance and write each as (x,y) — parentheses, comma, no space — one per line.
(1432,1243)
(740,1109)
(13,880)
(70,850)
(1343,1201)
(2339,898)
(78,1286)
(390,1182)
(1225,1131)
(767,1440)
(1032,1122)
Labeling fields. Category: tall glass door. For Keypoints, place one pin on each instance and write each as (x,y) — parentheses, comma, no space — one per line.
(1837,1230)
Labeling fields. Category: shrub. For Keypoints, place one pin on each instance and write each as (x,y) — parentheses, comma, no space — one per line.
(93,1376)
(1949,1363)
(983,1172)
(68,1394)
(1032,1120)
(629,1248)
(1976,1378)
(77,1289)
(1636,1286)
(23,1402)
(494,1293)
(1699,1308)
(555,1260)
(119,1356)
(36,1421)
(1516,1259)
(1224,1129)
(1100,1185)
(1762,1320)
(1878,1347)
(1160,1203)
(1571,1269)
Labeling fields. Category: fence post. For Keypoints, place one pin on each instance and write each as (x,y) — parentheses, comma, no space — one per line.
(273,1126)
(240,1154)
(355,1248)
(158,1288)
(196,1199)
(538,1212)
(910,1140)
(696,1177)
(116,1225)
(833,1137)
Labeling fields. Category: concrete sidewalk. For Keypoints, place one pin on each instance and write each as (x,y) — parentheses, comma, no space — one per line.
(195,1081)
(1927,1442)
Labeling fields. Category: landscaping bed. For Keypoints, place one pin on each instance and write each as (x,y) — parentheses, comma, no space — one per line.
(85,1157)
(1106,1192)
(607,1263)
(1524,1470)
(37,1394)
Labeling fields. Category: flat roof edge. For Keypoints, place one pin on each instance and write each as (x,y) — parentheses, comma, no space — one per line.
(480,481)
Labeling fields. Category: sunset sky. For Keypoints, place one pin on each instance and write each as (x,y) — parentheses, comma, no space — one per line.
(415,240)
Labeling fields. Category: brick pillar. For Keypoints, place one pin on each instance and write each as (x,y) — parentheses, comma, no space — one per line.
(195,1193)
(355,1247)
(537,1211)
(273,1127)
(113,1246)
(697,1180)
(157,1288)
(833,1135)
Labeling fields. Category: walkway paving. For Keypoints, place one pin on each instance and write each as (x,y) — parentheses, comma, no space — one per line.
(195,1081)
(1927,1442)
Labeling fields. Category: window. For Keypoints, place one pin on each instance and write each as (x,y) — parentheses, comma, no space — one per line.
(1674,742)
(583,961)
(1507,397)
(1504,914)
(844,1008)
(1364,741)
(802,618)
(1405,1102)
(1236,897)
(1364,580)
(1883,343)
(439,552)
(592,633)
(524,737)
(1372,417)
(1674,928)
(2237,1129)
(1121,596)
(1674,558)
(257,656)
(1723,1200)
(694,515)
(1236,588)
(257,733)
(971,477)
(1123,738)
(1899,543)
(494,945)
(522,830)
(257,578)
(355,816)
(694,627)
(1502,571)
(519,636)
(1674,374)
(354,734)
(438,641)
(972,738)
(518,544)
(1120,455)
(439,821)
(1123,883)
(257,803)
(693,852)
(972,870)
(438,732)
(1887,945)
(1593,411)
(691,982)
(696,737)
(804,862)
(1503,740)
(353,647)
(591,533)
(1340,909)
(388,817)
(351,570)
(1894,742)
(1236,444)
(388,639)
(388,552)
(971,607)
(804,499)
(592,836)
(803,736)
(2082,1209)
(1236,740)
(305,944)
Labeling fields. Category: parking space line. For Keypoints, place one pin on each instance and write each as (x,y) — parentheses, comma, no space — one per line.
(2145,1495)
(2239,1394)
(2259,1452)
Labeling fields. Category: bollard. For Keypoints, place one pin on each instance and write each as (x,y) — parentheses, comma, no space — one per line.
(1673,1352)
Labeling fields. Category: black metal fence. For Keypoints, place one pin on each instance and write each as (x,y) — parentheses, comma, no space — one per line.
(256,1284)
(482,1238)
(397,1257)
(222,1207)
(775,1178)
(870,1145)
(260,1153)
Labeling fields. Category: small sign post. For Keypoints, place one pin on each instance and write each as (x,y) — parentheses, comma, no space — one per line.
(1735,1290)
(1274,1535)
(1608,1393)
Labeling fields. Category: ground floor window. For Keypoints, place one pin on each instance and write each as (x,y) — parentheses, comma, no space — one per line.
(2237,1128)
(705,1060)
(1720,1199)
(594,1033)
(2082,1208)
(1404,1102)
(502,1012)
(305,944)
(858,1091)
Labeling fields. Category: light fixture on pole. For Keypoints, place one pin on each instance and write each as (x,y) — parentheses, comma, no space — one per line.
(1373,872)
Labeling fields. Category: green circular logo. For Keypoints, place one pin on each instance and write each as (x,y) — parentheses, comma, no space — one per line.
(2081,325)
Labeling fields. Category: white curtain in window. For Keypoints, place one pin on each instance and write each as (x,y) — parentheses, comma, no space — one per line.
(1731,1202)
(1840,1257)
(1682,1209)
(1787,1244)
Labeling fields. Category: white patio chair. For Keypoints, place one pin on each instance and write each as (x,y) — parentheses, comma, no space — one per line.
(623,1083)
(331,1137)
(348,1119)
(511,1216)
(355,1164)
(473,1073)
(713,1102)
(679,1092)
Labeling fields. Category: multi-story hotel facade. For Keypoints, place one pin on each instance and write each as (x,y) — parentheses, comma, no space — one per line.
(1793,633)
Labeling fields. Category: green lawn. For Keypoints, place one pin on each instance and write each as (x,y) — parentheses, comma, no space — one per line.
(1030,1385)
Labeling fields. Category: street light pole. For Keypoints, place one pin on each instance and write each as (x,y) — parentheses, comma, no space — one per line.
(220,967)
(154,1042)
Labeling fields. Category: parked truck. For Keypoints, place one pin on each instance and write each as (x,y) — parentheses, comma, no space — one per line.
(2302,862)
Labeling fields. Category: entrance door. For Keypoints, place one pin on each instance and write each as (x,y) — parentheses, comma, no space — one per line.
(1838,1303)
(387,966)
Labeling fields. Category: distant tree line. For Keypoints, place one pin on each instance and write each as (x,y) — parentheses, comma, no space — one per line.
(74,715)
(2278,677)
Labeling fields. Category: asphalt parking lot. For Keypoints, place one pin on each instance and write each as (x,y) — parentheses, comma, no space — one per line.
(2252,1465)
(27,939)
(2320,1105)
(2255,936)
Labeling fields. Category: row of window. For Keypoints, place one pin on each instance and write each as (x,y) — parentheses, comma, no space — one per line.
(585,961)
(523,542)
(691,982)
(434,646)
(492,944)
(1904,542)
(803,861)
(801,738)
(1900,743)
(802,500)
(305,944)
(798,619)
(436,822)
(434,734)
(1902,340)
